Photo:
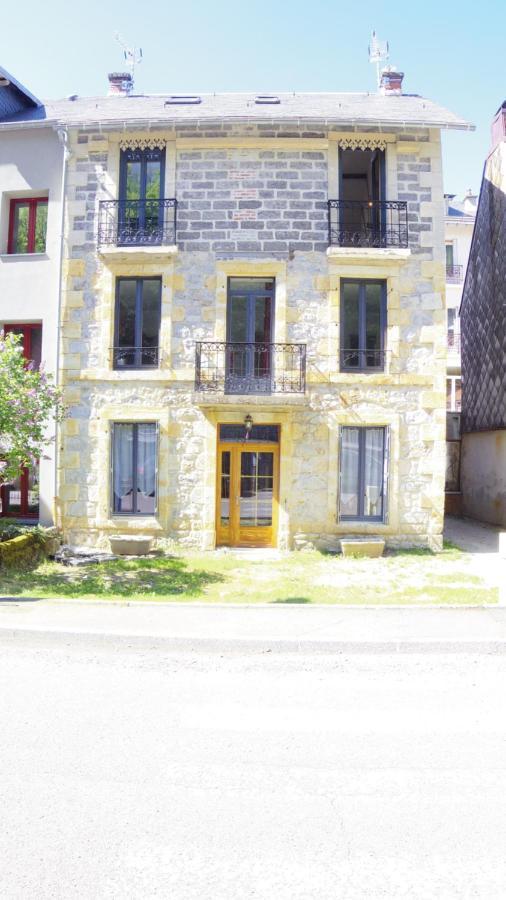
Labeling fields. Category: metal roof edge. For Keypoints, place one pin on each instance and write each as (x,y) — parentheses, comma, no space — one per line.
(148,123)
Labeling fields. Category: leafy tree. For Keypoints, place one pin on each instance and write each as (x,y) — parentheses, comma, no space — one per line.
(29,401)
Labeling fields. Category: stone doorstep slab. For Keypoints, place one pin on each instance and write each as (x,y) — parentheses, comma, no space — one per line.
(372,547)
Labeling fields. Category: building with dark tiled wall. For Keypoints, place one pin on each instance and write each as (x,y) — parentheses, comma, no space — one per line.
(483,327)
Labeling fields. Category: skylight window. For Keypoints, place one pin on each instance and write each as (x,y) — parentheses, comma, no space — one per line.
(183,99)
(267,99)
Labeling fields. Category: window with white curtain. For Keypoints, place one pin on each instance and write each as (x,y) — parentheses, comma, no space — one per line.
(134,468)
(363,462)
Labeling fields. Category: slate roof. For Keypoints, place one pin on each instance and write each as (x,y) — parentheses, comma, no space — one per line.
(16,100)
(407,110)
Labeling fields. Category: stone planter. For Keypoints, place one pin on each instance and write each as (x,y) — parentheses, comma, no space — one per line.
(134,545)
(363,547)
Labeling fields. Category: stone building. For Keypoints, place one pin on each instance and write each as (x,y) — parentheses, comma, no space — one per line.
(253,318)
(459,224)
(31,186)
(483,318)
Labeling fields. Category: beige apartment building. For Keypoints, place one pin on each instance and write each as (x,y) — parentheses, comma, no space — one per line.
(253,323)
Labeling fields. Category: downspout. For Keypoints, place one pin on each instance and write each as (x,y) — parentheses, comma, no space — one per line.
(63,138)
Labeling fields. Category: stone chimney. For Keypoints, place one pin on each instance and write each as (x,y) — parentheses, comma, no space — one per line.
(391,81)
(499,126)
(120,84)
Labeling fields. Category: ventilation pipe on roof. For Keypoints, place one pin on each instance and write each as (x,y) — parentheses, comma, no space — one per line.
(120,84)
(391,81)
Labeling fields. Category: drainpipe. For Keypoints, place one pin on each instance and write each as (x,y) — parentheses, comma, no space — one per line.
(63,138)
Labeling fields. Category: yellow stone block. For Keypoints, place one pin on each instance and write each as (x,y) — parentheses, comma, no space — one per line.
(74,299)
(71,427)
(322,283)
(69,492)
(179,283)
(178,314)
(75,267)
(432,400)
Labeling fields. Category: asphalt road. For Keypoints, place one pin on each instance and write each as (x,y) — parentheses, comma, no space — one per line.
(138,773)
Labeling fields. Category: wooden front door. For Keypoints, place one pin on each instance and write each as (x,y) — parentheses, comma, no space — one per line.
(247,494)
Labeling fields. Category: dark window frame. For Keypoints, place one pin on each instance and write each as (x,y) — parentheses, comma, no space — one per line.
(362,351)
(138,348)
(143,158)
(360,516)
(251,293)
(33,204)
(135,453)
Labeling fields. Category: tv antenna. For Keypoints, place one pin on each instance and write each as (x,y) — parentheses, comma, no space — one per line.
(378,53)
(133,55)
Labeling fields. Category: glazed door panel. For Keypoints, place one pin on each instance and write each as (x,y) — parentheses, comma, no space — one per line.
(247,494)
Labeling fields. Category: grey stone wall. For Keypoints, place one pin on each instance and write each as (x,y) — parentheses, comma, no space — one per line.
(247,201)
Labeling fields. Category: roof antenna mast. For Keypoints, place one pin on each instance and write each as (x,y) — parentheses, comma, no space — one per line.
(378,53)
(133,55)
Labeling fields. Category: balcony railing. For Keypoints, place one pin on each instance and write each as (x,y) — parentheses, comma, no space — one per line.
(247,368)
(453,341)
(454,274)
(354,360)
(137,223)
(370,223)
(135,357)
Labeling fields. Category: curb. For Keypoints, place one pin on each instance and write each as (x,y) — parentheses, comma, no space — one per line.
(251,645)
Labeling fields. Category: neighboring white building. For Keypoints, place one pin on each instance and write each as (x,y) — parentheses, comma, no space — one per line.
(31,173)
(459,224)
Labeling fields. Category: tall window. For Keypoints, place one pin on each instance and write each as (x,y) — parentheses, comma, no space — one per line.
(140,191)
(134,468)
(449,256)
(363,325)
(137,325)
(363,462)
(28,225)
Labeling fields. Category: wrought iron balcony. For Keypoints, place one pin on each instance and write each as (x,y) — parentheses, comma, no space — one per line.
(369,223)
(137,223)
(135,357)
(250,368)
(454,274)
(453,341)
(355,360)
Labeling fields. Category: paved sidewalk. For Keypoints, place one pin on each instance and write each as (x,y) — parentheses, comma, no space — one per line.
(258,628)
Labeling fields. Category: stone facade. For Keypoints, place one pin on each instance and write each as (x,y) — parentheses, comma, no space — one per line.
(252,201)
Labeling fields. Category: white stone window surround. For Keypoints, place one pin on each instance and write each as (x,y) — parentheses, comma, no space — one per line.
(119,141)
(363,417)
(153,524)
(386,142)
(111,271)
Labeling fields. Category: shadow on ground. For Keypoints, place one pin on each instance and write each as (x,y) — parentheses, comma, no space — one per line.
(293,600)
(160,578)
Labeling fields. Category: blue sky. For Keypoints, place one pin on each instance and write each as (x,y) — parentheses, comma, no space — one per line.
(450,50)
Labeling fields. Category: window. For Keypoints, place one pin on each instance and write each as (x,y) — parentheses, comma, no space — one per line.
(31,341)
(137,325)
(363,462)
(134,468)
(141,212)
(258,433)
(454,393)
(449,256)
(28,225)
(363,325)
